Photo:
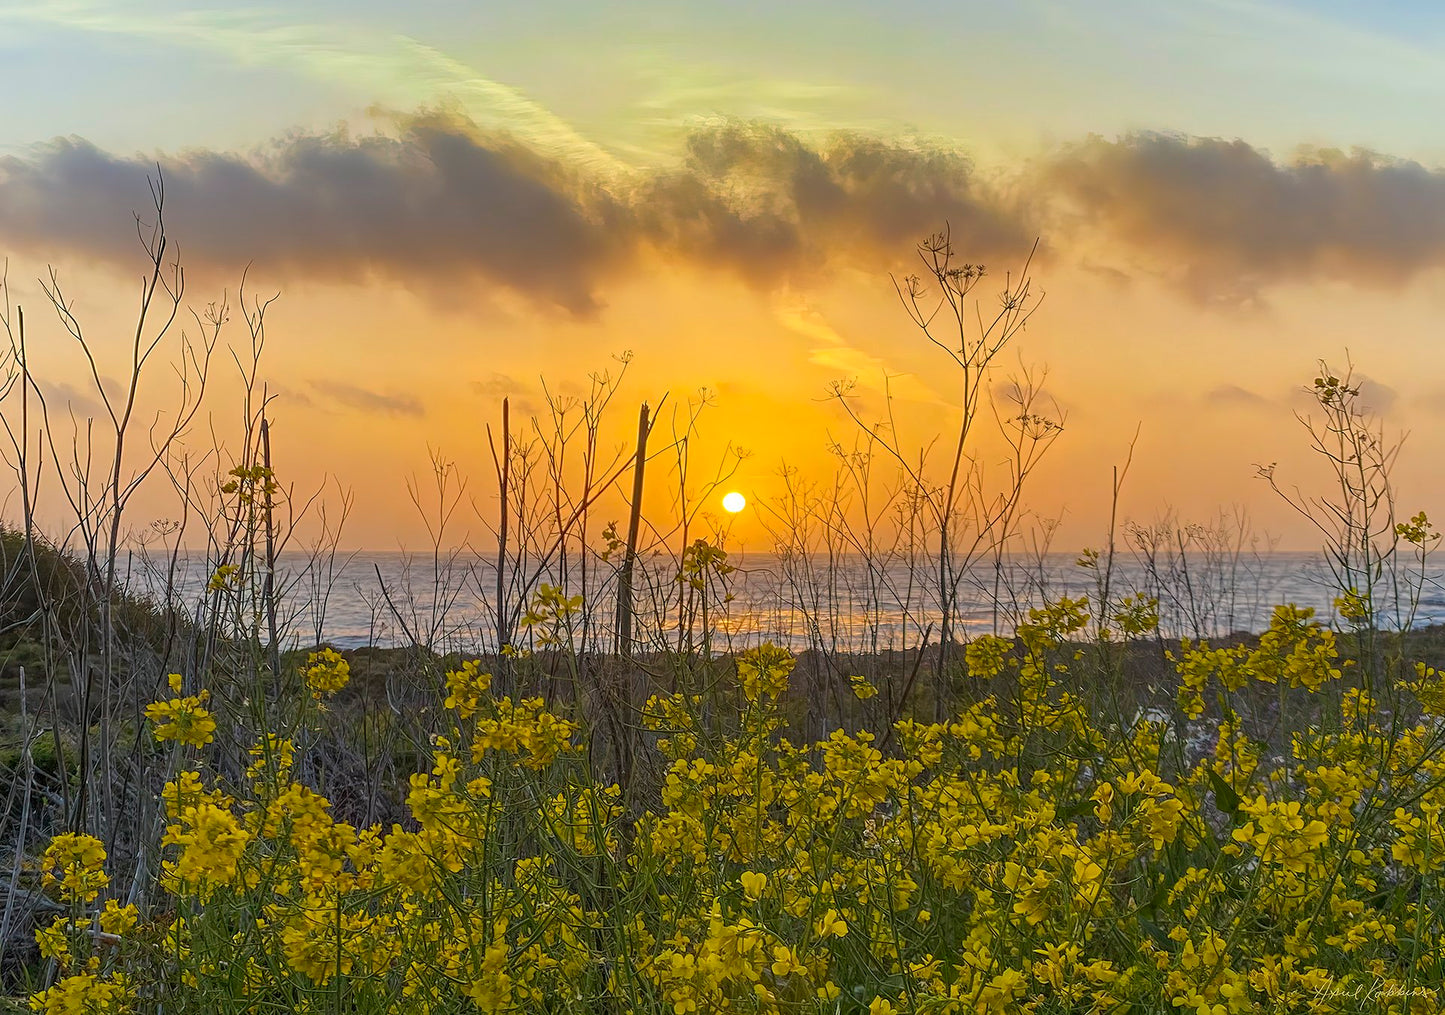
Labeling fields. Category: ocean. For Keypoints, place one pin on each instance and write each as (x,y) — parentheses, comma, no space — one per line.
(390,598)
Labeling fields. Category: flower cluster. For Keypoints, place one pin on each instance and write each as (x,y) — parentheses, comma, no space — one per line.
(1024,855)
(1296,651)
(764,671)
(326,672)
(183,719)
(73,866)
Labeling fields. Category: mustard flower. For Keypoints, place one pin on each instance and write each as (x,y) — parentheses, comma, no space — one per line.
(76,864)
(326,672)
(184,720)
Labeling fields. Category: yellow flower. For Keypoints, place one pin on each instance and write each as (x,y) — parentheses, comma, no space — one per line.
(1103,798)
(831,925)
(211,841)
(862,688)
(271,761)
(986,656)
(1001,991)
(53,941)
(85,994)
(753,884)
(1161,818)
(465,688)
(118,919)
(764,670)
(184,720)
(785,961)
(225,578)
(75,863)
(326,672)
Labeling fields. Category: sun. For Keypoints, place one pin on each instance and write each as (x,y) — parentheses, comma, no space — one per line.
(734,502)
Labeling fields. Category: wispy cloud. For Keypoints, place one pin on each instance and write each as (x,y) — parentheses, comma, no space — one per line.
(61,397)
(372,63)
(1234,395)
(832,351)
(1375,397)
(495,386)
(366,400)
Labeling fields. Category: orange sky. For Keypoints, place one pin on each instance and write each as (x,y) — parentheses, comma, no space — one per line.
(732,219)
(369,380)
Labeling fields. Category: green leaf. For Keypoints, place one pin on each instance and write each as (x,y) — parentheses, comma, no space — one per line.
(1225,798)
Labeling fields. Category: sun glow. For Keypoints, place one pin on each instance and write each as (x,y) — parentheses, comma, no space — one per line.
(734,502)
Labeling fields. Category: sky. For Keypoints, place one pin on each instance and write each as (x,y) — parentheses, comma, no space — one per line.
(456,203)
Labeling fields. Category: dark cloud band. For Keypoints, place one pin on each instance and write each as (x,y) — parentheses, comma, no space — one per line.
(1224,219)
(436,204)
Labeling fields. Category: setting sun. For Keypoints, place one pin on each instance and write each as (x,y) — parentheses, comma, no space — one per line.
(734,502)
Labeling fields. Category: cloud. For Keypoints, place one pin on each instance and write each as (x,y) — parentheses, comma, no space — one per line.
(294,396)
(763,200)
(62,397)
(1375,397)
(854,366)
(1010,391)
(1223,219)
(435,202)
(434,205)
(438,204)
(372,63)
(496,386)
(366,400)
(1234,395)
